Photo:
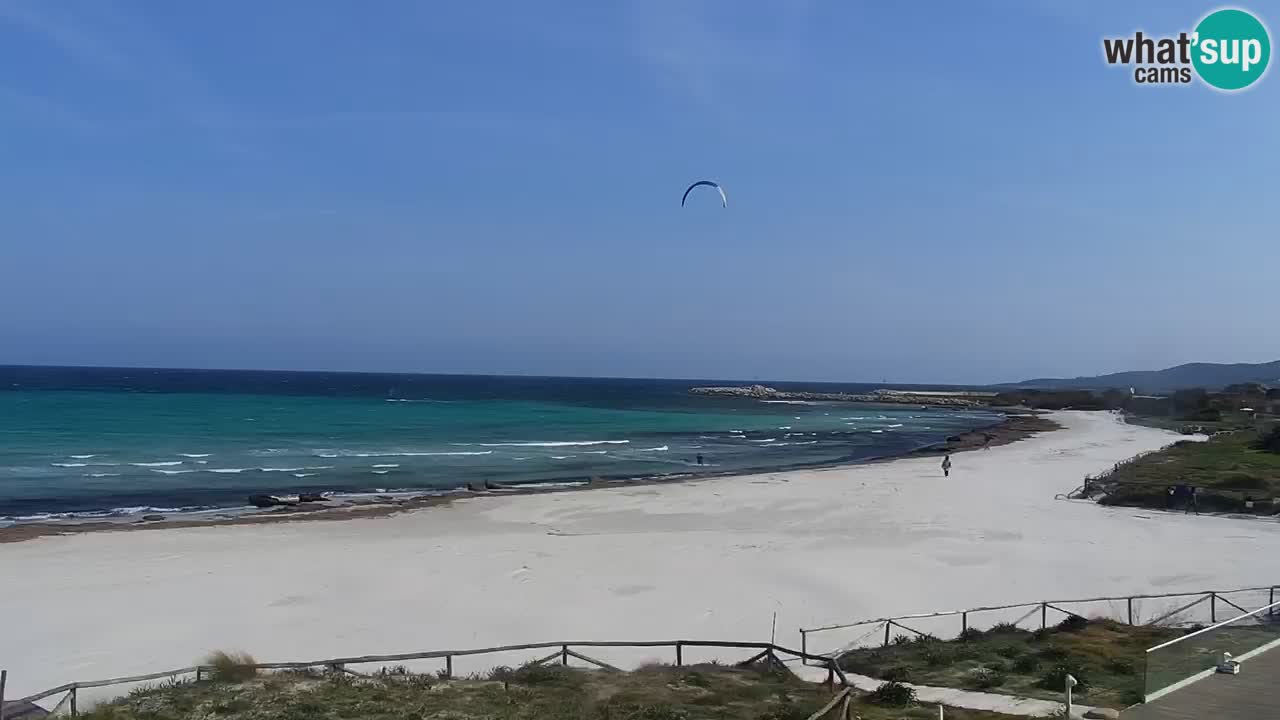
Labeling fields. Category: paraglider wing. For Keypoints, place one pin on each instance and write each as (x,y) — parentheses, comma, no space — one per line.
(724,201)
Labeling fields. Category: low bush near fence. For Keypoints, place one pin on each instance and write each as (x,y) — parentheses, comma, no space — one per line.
(1101,654)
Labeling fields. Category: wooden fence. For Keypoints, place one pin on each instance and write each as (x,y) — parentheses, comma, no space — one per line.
(765,652)
(1214,598)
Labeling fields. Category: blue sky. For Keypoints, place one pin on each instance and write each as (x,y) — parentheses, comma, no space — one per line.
(919,192)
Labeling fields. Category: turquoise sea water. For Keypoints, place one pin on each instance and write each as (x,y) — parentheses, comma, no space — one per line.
(85,442)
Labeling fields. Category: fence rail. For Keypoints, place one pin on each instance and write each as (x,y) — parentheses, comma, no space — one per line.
(766,652)
(1093,482)
(1184,660)
(1130,615)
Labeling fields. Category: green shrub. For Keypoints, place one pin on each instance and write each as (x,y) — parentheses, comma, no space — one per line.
(985,678)
(1052,652)
(893,694)
(531,673)
(1269,440)
(1244,481)
(1056,677)
(695,679)
(897,673)
(788,711)
(1004,628)
(901,639)
(1010,651)
(1121,666)
(1132,696)
(1027,664)
(939,655)
(863,663)
(645,712)
(969,634)
(230,666)
(1073,623)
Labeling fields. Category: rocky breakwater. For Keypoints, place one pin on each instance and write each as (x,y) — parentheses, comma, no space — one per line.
(762,392)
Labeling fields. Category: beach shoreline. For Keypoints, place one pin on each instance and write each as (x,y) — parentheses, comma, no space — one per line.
(714,559)
(1016,425)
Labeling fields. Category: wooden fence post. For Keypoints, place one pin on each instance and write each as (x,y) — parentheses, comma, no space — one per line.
(804,643)
(564,654)
(1213,608)
(1044,611)
(1272,601)
(74,712)
(448,667)
(1130,611)
(4,678)
(964,623)
(679,655)
(887,625)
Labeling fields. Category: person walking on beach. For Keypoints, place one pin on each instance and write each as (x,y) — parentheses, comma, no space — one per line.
(946,466)
(699,458)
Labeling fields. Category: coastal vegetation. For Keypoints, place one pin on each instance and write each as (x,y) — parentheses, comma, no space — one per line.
(1233,471)
(1104,656)
(528,692)
(231,666)
(1061,399)
(1236,470)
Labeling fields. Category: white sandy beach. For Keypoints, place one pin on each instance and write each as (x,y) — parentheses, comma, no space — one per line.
(708,560)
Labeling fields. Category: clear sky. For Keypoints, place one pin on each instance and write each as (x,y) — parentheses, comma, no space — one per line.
(918,192)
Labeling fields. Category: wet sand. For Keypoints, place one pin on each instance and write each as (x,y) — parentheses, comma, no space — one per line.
(709,560)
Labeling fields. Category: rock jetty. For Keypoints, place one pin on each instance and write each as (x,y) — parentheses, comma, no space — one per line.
(763,392)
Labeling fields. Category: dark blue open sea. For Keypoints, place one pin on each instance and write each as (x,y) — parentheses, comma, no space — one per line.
(104,441)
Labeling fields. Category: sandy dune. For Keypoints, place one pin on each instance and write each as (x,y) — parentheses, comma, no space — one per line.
(712,560)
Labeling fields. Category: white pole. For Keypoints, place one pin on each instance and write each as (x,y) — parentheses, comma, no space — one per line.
(940,713)
(1070,683)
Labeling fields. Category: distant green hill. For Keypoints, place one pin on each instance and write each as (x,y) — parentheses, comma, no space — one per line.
(1206,375)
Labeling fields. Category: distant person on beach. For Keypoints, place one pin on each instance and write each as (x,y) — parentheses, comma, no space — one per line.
(946,466)
(699,458)
(986,441)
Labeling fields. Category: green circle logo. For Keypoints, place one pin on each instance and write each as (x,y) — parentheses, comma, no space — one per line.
(1232,49)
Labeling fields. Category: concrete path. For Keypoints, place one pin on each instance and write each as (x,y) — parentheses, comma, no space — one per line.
(951,697)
